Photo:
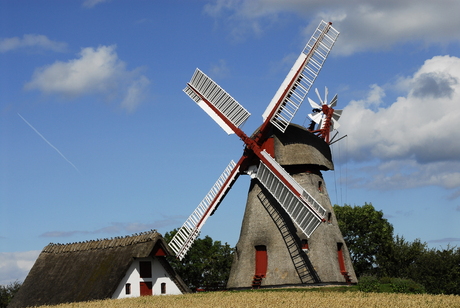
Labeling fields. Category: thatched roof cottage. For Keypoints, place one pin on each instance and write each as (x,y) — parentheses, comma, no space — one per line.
(120,267)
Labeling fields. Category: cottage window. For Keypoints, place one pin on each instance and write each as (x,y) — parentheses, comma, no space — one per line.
(128,288)
(163,288)
(145,269)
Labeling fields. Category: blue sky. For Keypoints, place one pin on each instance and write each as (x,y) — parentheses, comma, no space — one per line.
(98,140)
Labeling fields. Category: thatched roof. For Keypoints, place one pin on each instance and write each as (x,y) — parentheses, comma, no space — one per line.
(298,146)
(89,270)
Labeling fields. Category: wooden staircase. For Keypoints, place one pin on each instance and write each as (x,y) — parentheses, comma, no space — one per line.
(301,262)
(347,277)
(256,281)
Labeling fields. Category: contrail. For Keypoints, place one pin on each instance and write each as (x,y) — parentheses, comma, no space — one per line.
(49,143)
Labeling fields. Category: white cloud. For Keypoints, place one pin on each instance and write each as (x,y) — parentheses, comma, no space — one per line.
(92,3)
(95,71)
(364,24)
(14,266)
(416,126)
(116,228)
(219,70)
(135,93)
(31,41)
(447,240)
(414,138)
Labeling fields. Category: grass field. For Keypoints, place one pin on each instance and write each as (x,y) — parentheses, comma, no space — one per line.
(262,298)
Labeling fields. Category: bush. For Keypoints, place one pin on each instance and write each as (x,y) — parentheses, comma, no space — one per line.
(7,293)
(399,285)
(369,284)
(385,280)
(390,285)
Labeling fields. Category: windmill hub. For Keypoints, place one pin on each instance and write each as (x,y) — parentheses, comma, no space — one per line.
(252,171)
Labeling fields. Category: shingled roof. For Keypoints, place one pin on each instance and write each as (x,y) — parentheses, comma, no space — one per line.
(89,270)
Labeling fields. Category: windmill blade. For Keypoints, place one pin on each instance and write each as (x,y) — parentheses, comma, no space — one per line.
(316,117)
(335,119)
(319,97)
(322,122)
(333,101)
(326,92)
(336,114)
(190,230)
(304,210)
(313,104)
(300,78)
(217,103)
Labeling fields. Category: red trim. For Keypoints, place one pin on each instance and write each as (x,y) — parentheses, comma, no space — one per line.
(216,199)
(286,182)
(235,129)
(269,146)
(305,244)
(289,87)
(286,91)
(324,132)
(159,252)
(340,258)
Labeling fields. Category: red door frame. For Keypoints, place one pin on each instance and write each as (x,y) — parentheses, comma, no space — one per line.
(146,288)
(261,261)
(340,257)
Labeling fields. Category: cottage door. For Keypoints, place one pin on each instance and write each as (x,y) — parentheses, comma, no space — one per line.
(146,288)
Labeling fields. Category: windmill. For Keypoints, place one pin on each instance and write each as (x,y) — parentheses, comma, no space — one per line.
(282,212)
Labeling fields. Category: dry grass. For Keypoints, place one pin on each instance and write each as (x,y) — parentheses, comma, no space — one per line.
(278,299)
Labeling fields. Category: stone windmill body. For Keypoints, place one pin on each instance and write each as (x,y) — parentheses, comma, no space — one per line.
(289,234)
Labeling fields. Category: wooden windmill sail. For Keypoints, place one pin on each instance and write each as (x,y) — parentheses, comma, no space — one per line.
(282,196)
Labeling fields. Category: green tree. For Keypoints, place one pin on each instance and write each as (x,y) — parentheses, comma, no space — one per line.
(438,271)
(206,265)
(368,235)
(7,292)
(402,256)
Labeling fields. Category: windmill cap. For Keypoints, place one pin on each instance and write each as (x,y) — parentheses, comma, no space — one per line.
(298,146)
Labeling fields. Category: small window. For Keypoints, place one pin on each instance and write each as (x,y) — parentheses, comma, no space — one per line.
(320,186)
(329,218)
(305,244)
(145,269)
(163,288)
(128,288)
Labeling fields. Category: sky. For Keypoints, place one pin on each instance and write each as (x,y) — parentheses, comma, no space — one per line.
(98,140)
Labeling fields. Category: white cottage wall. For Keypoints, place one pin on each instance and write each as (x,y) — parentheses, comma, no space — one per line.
(159,276)
(132,277)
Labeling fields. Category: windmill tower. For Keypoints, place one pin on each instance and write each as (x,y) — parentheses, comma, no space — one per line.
(289,234)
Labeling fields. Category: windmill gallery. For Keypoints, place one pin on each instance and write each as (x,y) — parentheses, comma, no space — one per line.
(289,234)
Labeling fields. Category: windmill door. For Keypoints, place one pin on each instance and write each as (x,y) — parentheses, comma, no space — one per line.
(146,288)
(261,261)
(340,257)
